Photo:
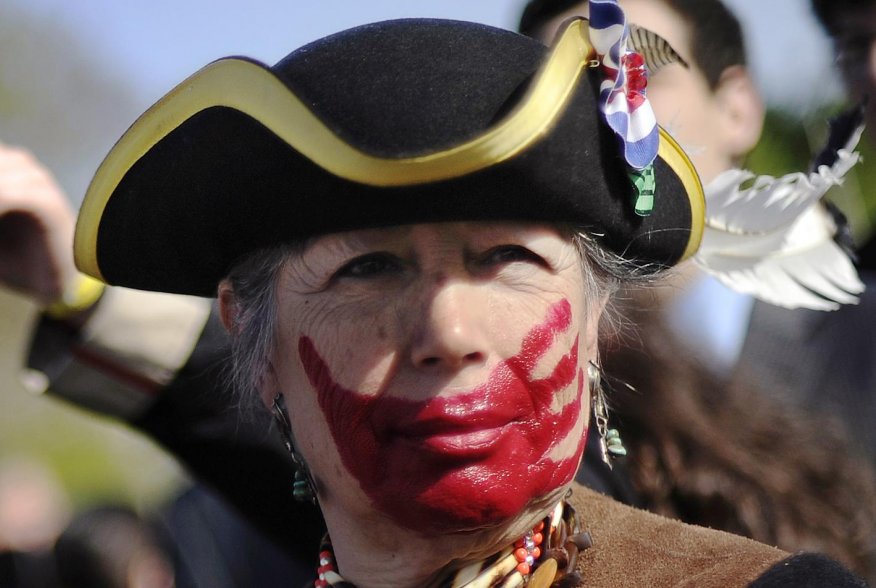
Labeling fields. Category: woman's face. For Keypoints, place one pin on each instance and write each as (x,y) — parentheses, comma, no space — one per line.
(436,373)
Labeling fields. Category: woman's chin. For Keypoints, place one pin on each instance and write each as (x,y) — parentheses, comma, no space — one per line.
(472,500)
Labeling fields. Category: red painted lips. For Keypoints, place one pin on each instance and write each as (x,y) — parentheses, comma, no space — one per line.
(465,427)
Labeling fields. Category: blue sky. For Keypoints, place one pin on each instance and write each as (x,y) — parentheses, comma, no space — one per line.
(156,43)
(149,46)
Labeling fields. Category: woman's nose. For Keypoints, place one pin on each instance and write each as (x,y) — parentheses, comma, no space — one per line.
(450,332)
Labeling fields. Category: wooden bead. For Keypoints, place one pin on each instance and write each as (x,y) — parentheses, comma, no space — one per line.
(544,575)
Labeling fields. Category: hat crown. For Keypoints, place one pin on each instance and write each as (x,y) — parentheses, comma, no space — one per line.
(412,86)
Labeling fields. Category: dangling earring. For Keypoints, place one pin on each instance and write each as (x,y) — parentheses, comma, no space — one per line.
(302,487)
(609,439)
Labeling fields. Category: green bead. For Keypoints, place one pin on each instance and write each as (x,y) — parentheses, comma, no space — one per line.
(301,491)
(613,443)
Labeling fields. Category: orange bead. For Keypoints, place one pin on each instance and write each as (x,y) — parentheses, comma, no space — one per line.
(537,538)
(536,552)
(523,568)
(520,554)
(539,526)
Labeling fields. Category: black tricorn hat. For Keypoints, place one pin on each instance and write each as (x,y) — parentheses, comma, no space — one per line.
(392,123)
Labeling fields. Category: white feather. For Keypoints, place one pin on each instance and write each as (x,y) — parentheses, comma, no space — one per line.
(774,239)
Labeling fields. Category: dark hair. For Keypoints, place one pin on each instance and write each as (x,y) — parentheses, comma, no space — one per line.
(537,12)
(827,11)
(716,35)
(730,456)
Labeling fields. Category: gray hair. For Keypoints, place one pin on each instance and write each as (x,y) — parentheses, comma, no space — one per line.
(253,332)
(254,281)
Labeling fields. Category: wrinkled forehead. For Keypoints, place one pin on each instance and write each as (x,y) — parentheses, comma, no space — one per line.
(440,250)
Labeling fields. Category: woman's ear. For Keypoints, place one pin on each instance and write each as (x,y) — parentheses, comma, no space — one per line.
(268,386)
(741,110)
(227,305)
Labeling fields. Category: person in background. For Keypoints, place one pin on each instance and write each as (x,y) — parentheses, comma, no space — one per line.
(112,546)
(764,404)
(851,26)
(132,355)
(34,510)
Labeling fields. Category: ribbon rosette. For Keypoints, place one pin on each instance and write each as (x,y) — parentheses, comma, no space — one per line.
(622,97)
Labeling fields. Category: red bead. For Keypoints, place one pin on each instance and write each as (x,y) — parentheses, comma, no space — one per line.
(537,538)
(637,82)
(536,552)
(520,554)
(539,526)
(519,543)
(325,554)
(324,569)
(523,568)
(634,60)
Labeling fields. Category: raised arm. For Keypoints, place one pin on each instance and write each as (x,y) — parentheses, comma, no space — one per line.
(36,228)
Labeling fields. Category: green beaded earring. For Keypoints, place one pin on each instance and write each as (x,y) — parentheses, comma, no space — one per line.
(609,439)
(302,487)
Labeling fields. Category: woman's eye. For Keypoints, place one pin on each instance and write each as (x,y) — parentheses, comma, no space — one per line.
(510,254)
(370,266)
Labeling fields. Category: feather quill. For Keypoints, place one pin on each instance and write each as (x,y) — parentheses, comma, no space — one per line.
(776,239)
(656,51)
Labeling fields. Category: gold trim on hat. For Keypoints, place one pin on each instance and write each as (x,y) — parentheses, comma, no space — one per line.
(671,152)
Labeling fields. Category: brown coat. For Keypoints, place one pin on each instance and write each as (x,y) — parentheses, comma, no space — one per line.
(632,547)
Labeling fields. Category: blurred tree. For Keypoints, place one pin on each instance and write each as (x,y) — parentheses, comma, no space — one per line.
(57,98)
(788,144)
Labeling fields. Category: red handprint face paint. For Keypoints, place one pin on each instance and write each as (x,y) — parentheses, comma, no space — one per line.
(471,459)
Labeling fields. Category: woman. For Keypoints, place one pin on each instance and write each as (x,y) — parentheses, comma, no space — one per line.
(415,229)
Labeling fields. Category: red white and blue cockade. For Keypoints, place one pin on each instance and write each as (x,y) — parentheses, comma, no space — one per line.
(622,92)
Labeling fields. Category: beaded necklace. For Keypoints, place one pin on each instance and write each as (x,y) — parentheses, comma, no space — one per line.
(539,559)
